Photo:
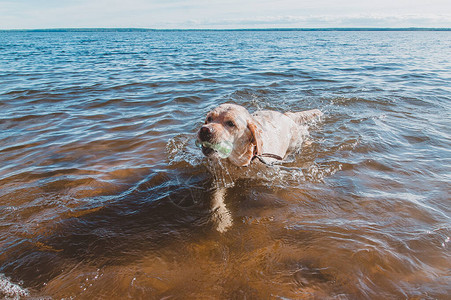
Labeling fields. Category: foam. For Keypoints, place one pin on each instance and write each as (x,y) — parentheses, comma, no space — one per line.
(11,290)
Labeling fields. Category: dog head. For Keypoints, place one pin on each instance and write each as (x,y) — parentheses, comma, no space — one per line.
(230,124)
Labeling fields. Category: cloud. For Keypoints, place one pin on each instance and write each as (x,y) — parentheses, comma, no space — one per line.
(320,21)
(223,14)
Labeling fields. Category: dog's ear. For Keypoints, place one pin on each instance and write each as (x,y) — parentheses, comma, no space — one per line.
(256,138)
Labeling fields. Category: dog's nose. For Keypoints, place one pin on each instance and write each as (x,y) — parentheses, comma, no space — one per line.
(205,133)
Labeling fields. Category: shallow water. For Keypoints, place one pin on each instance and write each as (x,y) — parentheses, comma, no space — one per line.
(103,193)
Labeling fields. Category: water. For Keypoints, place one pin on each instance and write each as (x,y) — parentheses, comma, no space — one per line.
(103,193)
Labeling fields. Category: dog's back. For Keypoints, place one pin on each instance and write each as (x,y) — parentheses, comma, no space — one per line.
(304,117)
(282,133)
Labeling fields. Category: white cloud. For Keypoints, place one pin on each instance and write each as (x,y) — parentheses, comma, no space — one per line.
(223,14)
(321,21)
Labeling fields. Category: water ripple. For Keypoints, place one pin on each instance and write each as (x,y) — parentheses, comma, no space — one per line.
(103,192)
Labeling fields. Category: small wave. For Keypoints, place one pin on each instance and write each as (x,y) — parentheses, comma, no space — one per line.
(359,100)
(135,85)
(23,92)
(109,102)
(322,80)
(33,117)
(11,290)
(194,81)
(275,74)
(256,96)
(187,100)
(317,172)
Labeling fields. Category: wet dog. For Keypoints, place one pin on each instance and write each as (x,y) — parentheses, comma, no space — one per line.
(232,133)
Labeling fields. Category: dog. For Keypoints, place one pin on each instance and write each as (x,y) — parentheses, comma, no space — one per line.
(230,132)
(265,133)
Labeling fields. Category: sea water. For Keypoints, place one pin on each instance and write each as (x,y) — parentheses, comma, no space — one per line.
(103,193)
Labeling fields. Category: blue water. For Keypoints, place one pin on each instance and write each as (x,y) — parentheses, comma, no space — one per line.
(103,193)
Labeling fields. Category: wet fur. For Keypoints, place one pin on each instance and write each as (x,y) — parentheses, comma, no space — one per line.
(253,134)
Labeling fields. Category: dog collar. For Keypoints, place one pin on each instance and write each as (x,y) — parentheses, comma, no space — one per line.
(269,155)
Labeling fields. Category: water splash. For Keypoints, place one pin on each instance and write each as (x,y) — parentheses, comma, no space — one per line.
(301,168)
(11,290)
(223,175)
(179,149)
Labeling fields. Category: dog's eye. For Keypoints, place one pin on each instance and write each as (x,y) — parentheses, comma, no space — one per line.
(209,119)
(230,124)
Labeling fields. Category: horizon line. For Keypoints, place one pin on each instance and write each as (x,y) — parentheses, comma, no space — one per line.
(136,29)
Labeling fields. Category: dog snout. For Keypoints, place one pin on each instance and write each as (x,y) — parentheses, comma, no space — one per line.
(205,133)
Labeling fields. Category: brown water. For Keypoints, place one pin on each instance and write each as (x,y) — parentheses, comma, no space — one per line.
(103,194)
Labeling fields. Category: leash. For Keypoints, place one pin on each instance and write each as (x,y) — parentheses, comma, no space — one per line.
(269,155)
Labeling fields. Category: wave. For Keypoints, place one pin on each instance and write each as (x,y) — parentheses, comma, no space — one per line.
(11,290)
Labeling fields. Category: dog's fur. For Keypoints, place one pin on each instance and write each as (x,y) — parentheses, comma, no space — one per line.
(254,134)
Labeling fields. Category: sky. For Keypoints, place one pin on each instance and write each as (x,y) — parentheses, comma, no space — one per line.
(220,14)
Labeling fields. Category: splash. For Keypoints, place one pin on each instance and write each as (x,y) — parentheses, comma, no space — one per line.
(224,176)
(11,290)
(179,149)
(276,175)
(300,167)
